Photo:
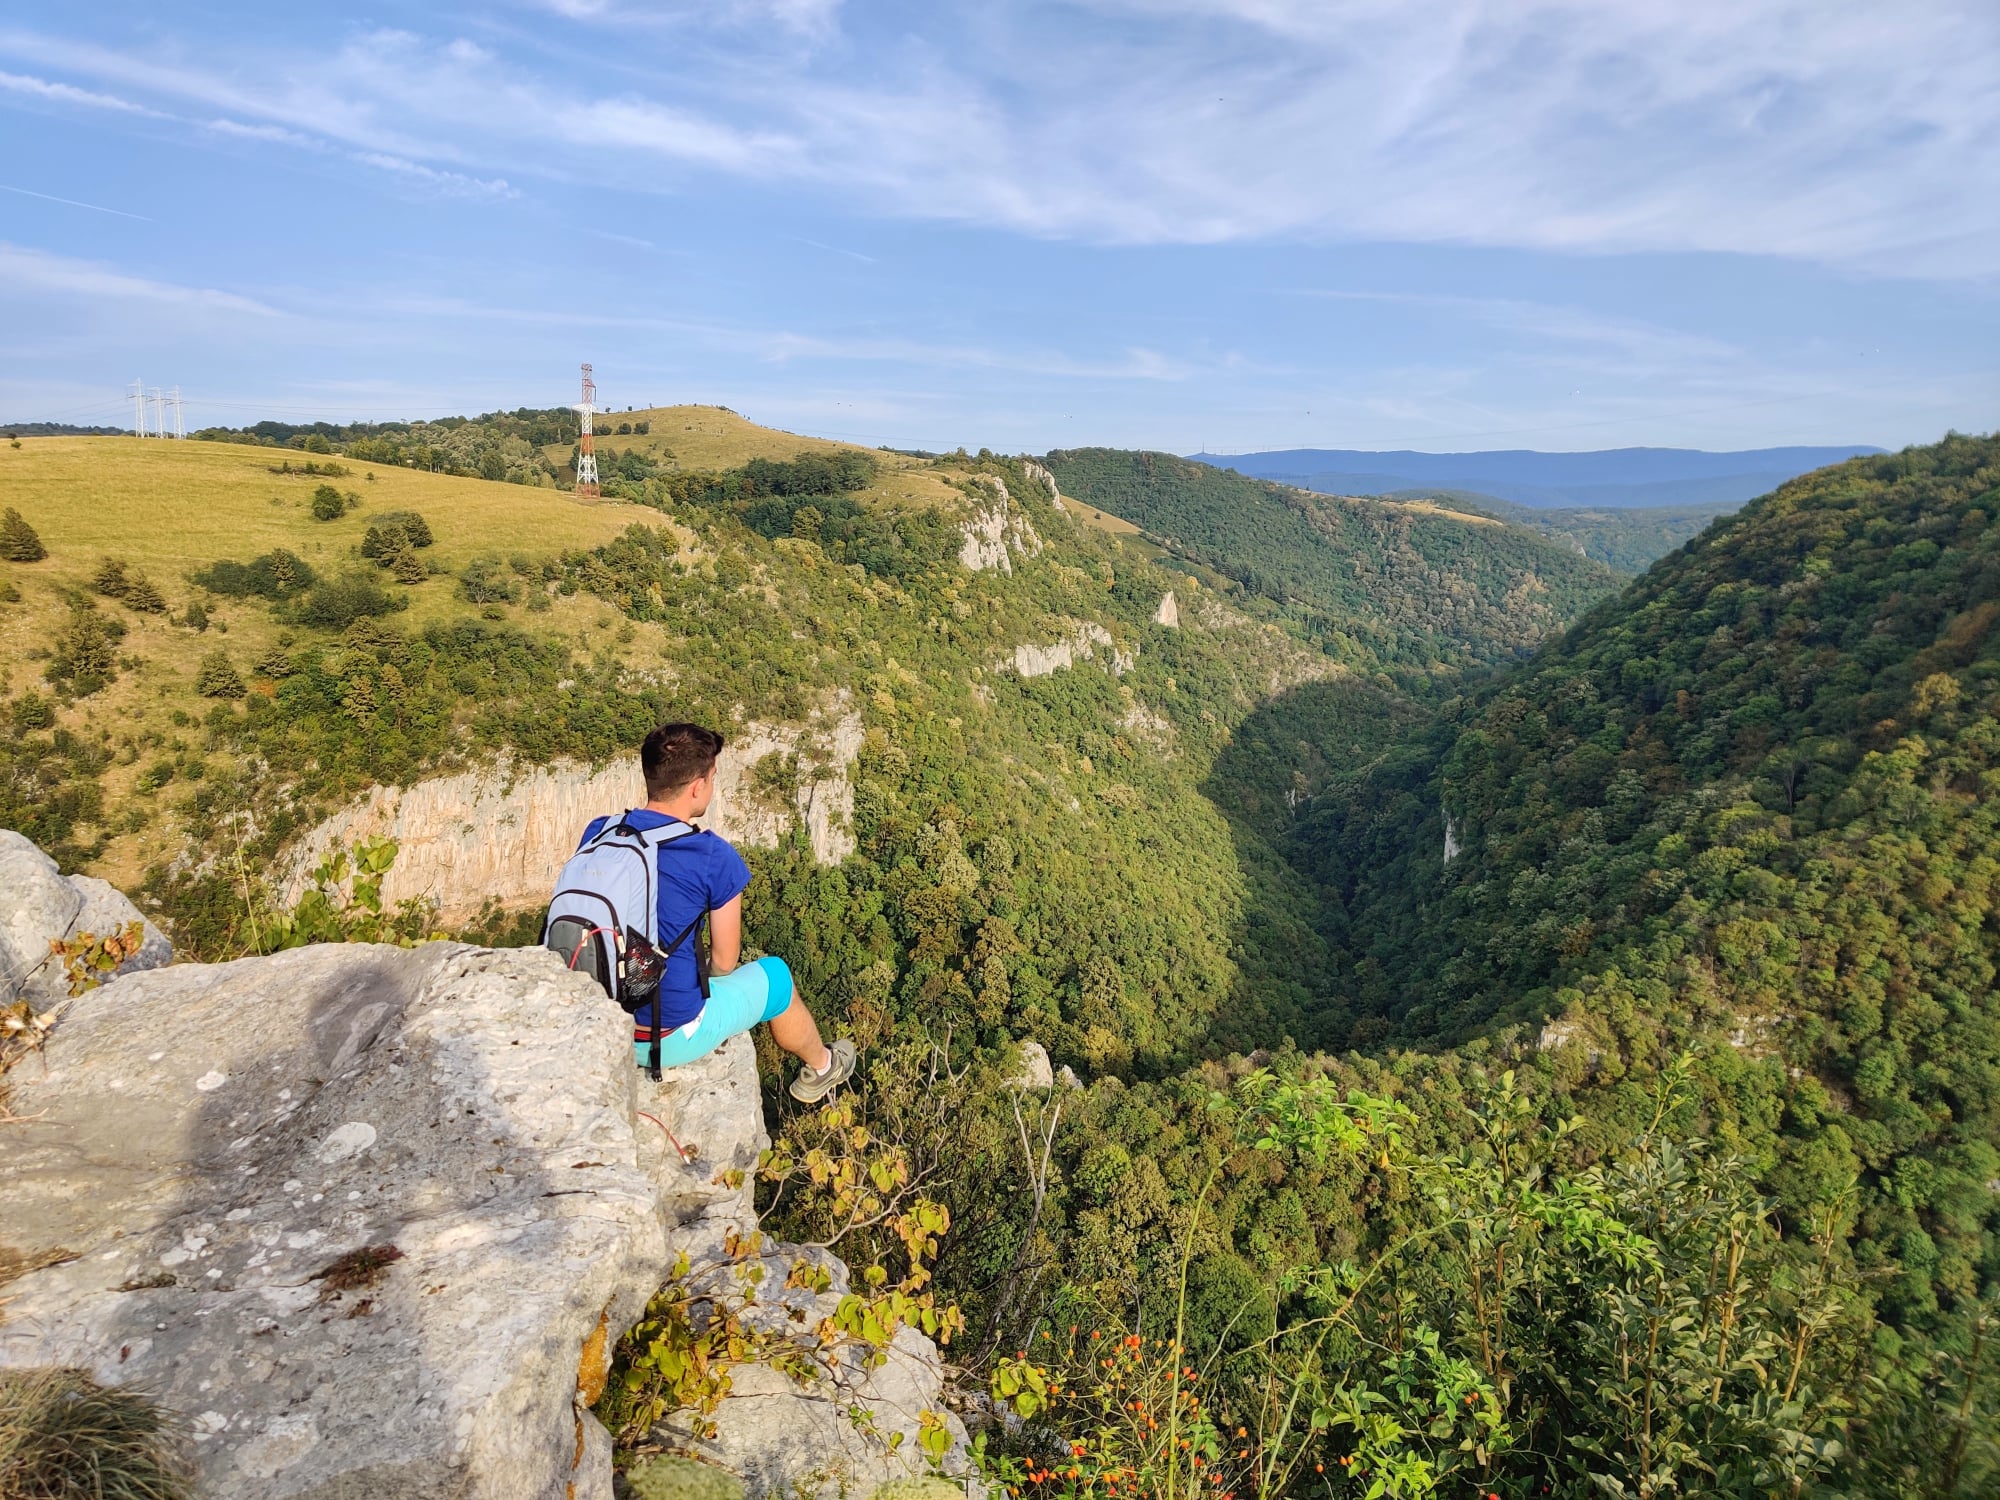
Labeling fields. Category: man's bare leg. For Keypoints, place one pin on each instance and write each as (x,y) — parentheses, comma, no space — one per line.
(797,1032)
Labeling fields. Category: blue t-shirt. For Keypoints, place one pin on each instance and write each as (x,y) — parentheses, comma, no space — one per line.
(698,872)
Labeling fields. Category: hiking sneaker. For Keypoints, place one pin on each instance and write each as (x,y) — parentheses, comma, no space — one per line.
(810,1087)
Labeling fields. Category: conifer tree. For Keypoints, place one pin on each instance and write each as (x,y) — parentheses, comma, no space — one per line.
(143,595)
(18,541)
(217,678)
(407,567)
(109,579)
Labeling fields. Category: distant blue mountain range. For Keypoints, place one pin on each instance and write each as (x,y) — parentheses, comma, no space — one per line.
(1625,477)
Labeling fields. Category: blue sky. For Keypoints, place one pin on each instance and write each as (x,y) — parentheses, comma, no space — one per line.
(1238,224)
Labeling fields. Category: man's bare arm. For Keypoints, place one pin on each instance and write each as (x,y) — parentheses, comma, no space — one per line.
(725,936)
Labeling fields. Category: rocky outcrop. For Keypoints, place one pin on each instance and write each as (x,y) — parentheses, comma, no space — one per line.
(502,831)
(997,531)
(1041,473)
(1169,611)
(851,1427)
(1080,643)
(354,1212)
(371,1220)
(39,905)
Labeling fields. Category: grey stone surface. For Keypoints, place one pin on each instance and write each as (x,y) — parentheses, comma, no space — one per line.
(780,1436)
(1034,1070)
(213,1140)
(40,905)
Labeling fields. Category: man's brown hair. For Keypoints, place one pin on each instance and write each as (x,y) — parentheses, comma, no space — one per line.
(675,754)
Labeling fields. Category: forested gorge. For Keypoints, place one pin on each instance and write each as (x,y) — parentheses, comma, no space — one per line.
(1644,1144)
(1375,583)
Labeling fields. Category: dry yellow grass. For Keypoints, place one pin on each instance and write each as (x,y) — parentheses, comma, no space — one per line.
(708,437)
(168,509)
(1431,508)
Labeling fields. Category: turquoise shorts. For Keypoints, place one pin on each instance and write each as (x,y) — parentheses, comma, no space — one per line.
(738,1000)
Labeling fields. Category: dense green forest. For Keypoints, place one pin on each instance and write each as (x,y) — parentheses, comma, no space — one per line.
(1727,1226)
(1629,539)
(1645,1146)
(1406,586)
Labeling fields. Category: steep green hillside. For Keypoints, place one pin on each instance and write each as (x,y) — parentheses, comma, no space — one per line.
(1387,586)
(1627,539)
(202,667)
(1752,804)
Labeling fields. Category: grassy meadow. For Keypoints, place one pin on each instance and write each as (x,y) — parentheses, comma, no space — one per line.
(169,509)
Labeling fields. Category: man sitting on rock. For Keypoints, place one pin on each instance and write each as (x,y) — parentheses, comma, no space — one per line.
(692,876)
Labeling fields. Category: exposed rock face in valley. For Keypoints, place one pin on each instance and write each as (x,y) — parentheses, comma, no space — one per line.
(1169,612)
(1080,643)
(502,831)
(997,532)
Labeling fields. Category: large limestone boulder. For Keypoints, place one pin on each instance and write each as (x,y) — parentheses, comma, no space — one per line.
(363,1215)
(41,905)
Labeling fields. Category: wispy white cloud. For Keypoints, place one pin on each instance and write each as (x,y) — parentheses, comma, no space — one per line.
(1858,136)
(63,93)
(456,183)
(24,268)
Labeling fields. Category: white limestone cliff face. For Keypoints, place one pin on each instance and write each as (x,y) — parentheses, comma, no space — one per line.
(1169,612)
(1039,471)
(997,531)
(500,832)
(1081,642)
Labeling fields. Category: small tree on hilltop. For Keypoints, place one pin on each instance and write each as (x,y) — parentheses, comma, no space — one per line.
(109,579)
(18,542)
(143,595)
(217,678)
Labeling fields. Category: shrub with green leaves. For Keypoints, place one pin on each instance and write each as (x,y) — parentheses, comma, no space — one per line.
(277,575)
(388,537)
(109,579)
(143,596)
(483,581)
(328,504)
(336,603)
(85,657)
(18,540)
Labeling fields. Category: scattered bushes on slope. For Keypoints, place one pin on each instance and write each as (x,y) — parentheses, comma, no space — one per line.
(277,575)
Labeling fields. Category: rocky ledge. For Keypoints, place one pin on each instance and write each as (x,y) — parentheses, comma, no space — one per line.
(371,1219)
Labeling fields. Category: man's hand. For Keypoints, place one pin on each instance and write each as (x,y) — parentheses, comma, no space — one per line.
(725,936)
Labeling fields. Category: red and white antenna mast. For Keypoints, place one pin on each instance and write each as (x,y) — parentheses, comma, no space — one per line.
(586,449)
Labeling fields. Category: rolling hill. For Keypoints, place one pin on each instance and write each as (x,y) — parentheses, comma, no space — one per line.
(1748,806)
(1656,924)
(1410,583)
(1627,539)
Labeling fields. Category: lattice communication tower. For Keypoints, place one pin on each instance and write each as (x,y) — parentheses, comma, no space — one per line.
(586,449)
